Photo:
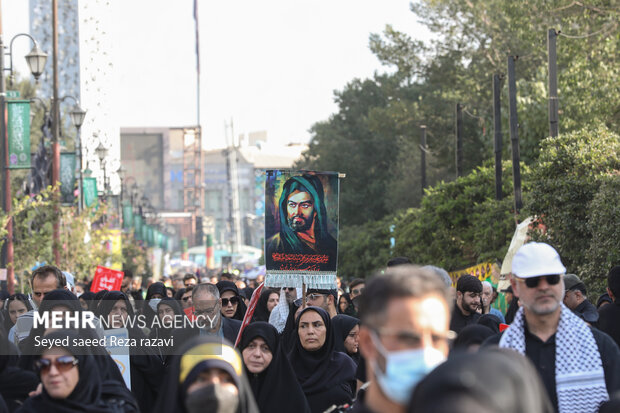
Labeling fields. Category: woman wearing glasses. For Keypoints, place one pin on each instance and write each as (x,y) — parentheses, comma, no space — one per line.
(232,305)
(327,376)
(72,382)
(346,331)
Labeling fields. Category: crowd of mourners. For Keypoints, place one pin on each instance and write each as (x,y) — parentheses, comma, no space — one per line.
(407,339)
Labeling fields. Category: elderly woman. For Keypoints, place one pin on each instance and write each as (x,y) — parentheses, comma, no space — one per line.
(271,376)
(72,382)
(327,376)
(206,377)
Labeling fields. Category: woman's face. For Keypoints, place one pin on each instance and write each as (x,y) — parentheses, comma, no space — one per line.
(213,376)
(343,304)
(118,315)
(351,343)
(257,355)
(16,308)
(165,313)
(312,331)
(230,301)
(59,382)
(169,293)
(273,300)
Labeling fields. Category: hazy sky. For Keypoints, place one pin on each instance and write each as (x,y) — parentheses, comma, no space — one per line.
(267,65)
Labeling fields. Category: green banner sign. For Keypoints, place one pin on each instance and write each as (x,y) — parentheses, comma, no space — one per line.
(151,237)
(137,226)
(127,216)
(67,177)
(19,133)
(89,186)
(145,233)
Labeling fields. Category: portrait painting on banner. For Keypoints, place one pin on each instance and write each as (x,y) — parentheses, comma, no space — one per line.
(301,221)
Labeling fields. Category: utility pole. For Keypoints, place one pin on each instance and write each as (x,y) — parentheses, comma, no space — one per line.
(514,132)
(423,157)
(553,83)
(497,120)
(459,140)
(6,254)
(55,130)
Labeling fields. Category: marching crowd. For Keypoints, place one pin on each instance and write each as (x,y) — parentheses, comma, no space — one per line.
(402,340)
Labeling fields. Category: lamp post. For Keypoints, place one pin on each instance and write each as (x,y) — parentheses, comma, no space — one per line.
(36,62)
(77,115)
(102,153)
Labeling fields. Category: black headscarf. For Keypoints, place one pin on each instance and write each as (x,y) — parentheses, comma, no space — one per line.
(350,310)
(491,381)
(15,383)
(326,376)
(513,307)
(147,368)
(163,332)
(491,321)
(223,286)
(87,394)
(262,311)
(204,352)
(276,388)
(343,324)
(471,335)
(156,288)
(15,297)
(107,367)
(89,297)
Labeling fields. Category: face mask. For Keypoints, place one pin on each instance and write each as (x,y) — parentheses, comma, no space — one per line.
(404,369)
(153,303)
(212,398)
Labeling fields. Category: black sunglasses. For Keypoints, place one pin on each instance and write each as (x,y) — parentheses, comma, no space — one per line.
(533,282)
(62,364)
(233,300)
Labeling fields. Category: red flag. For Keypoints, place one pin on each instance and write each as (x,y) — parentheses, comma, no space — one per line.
(107,279)
(250,312)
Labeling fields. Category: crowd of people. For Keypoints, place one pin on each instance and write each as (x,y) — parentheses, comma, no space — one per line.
(407,339)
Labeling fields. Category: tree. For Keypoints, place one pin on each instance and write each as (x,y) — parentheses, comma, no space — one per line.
(569,188)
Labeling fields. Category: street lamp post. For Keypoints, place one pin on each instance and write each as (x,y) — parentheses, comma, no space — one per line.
(77,115)
(36,62)
(102,153)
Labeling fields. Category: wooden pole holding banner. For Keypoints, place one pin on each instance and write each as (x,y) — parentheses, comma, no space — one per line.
(303,295)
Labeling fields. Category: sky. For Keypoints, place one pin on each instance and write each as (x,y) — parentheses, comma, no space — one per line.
(269,65)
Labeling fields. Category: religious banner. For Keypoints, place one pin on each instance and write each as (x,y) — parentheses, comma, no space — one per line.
(67,177)
(301,229)
(89,186)
(119,353)
(19,133)
(106,279)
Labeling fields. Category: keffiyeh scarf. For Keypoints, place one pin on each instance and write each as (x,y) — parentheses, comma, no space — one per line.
(579,375)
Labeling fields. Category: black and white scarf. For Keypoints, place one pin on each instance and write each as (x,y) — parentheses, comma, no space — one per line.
(579,374)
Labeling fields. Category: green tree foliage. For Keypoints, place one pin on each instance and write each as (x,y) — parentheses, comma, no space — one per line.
(564,194)
(460,223)
(363,249)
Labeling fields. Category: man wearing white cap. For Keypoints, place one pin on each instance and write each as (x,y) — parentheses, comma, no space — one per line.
(579,366)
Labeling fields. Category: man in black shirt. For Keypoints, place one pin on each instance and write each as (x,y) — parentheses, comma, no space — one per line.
(575,299)
(468,291)
(579,365)
(609,315)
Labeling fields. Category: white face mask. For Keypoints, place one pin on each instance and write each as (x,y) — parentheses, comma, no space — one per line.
(404,369)
(153,303)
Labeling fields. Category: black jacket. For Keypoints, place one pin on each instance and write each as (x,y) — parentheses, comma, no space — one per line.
(609,321)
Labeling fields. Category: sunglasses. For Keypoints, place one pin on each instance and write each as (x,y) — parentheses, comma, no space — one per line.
(357,291)
(62,364)
(315,296)
(289,288)
(534,281)
(232,300)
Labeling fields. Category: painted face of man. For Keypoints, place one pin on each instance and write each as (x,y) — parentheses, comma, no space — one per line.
(300,210)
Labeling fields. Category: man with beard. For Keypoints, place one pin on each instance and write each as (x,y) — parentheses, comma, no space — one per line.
(579,365)
(303,226)
(468,291)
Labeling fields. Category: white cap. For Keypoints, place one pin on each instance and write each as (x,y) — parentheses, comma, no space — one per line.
(535,259)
